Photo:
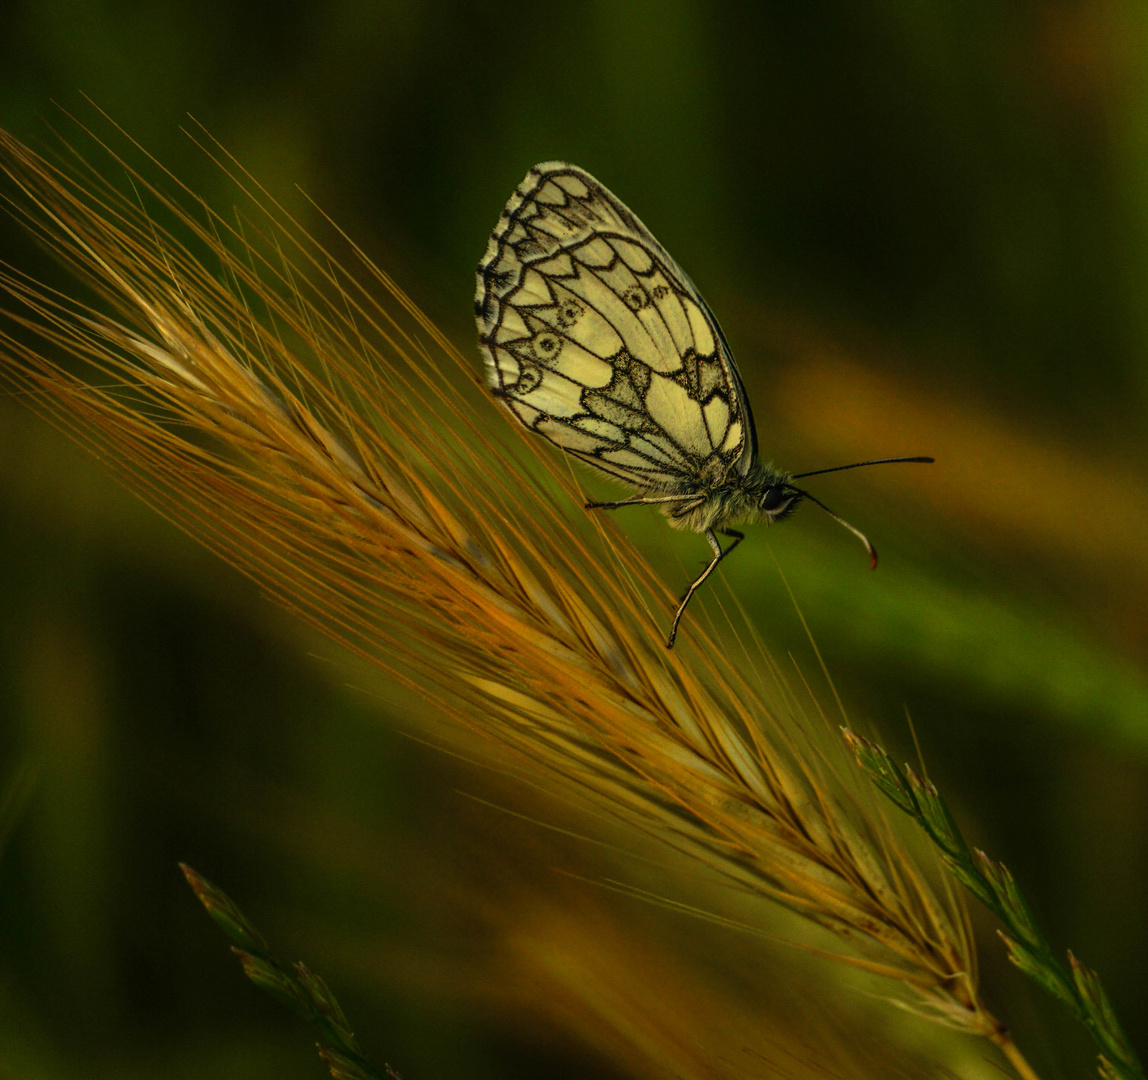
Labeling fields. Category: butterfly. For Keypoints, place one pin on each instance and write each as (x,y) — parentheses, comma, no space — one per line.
(595,339)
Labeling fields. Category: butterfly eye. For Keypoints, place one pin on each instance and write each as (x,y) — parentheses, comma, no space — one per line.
(774,496)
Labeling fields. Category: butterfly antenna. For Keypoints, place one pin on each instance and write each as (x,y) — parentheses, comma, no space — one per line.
(841,521)
(861,464)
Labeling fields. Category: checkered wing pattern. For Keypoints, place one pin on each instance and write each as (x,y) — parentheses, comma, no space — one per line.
(595,339)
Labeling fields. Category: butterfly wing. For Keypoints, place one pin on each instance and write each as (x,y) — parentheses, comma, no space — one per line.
(595,338)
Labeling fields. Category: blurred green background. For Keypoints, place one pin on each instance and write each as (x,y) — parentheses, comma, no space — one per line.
(924,226)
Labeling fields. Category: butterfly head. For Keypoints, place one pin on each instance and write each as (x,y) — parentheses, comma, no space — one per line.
(778,500)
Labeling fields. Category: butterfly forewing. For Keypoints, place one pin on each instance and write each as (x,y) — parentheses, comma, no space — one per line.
(595,338)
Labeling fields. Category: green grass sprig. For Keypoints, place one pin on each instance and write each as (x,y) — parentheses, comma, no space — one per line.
(296,987)
(1076,987)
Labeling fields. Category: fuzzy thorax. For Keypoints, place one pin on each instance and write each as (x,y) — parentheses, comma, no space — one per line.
(761,494)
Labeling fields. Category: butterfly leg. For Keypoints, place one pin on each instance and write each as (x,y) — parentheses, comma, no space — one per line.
(637,502)
(737,538)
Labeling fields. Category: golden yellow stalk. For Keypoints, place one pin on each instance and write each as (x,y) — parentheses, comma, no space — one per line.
(321,440)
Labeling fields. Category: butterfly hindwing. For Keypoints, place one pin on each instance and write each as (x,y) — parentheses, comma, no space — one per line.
(595,338)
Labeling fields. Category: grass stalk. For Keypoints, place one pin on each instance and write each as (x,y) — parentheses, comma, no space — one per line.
(295,986)
(1076,987)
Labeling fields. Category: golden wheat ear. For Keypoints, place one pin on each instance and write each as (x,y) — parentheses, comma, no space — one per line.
(307,422)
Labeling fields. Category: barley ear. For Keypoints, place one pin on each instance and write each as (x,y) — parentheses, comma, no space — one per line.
(289,416)
(1076,987)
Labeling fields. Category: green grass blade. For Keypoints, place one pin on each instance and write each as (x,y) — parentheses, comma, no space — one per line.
(296,987)
(1076,987)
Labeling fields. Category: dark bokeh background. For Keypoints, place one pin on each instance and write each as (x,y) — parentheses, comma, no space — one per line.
(925,227)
